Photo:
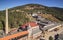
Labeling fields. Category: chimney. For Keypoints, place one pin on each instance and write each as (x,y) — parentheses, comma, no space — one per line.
(6,28)
(29,26)
(36,22)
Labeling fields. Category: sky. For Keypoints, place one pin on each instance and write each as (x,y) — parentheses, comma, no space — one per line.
(12,3)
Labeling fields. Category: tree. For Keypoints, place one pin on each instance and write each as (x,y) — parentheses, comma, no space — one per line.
(50,38)
(1,25)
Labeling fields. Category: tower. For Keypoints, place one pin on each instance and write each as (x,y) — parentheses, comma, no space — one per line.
(6,28)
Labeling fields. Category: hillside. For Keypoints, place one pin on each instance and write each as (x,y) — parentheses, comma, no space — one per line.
(50,17)
(20,14)
(55,11)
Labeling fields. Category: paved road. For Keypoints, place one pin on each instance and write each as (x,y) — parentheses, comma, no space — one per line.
(53,33)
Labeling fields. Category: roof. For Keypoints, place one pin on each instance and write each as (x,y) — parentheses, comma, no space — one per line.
(52,26)
(1,39)
(32,24)
(15,35)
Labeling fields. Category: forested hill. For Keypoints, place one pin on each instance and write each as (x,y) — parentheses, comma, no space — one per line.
(19,15)
(55,11)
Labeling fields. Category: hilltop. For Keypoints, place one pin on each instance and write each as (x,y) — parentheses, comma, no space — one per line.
(55,11)
(20,14)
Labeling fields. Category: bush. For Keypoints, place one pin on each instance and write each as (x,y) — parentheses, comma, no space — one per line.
(50,38)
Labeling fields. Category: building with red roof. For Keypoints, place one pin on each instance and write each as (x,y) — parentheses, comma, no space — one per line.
(28,25)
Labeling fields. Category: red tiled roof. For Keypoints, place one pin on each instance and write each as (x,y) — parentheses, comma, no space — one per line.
(15,35)
(32,24)
(1,39)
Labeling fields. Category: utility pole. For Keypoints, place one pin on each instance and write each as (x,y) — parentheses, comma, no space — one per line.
(6,28)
